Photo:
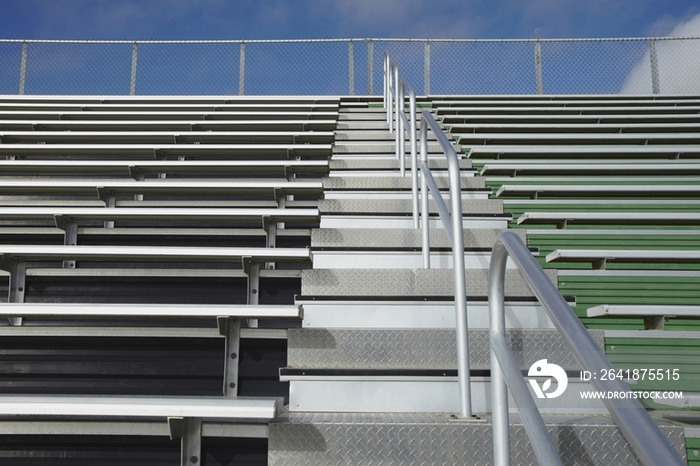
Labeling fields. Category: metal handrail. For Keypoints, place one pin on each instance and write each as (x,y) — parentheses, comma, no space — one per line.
(644,436)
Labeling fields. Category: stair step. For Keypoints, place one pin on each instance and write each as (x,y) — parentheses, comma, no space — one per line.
(379,148)
(400,238)
(399,439)
(390,164)
(393,183)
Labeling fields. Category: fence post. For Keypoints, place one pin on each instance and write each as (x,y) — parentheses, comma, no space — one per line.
(23,69)
(351,70)
(134,55)
(656,88)
(538,67)
(241,71)
(370,65)
(427,68)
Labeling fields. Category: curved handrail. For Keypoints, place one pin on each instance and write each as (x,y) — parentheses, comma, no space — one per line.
(639,429)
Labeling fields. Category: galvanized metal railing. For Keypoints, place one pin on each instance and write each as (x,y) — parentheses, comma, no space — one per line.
(394,90)
(639,429)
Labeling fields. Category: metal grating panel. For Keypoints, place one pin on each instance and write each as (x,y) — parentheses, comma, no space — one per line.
(420,349)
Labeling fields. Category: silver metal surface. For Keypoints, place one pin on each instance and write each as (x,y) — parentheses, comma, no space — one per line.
(351,70)
(134,57)
(399,238)
(23,69)
(393,183)
(469,206)
(656,89)
(221,408)
(538,67)
(241,70)
(636,425)
(399,439)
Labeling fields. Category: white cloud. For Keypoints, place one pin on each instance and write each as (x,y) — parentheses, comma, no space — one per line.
(678,63)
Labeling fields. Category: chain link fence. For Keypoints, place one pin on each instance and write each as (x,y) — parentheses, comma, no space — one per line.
(350,66)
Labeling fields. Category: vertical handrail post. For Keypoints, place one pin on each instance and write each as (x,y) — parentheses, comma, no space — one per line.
(414,157)
(390,95)
(23,69)
(656,88)
(386,85)
(401,104)
(134,57)
(538,68)
(424,200)
(370,67)
(241,71)
(351,69)
(397,121)
(427,67)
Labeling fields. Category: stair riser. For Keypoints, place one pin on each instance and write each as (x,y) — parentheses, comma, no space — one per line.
(384,221)
(397,260)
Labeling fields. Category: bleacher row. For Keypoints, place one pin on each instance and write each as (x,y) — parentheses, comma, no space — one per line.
(243,274)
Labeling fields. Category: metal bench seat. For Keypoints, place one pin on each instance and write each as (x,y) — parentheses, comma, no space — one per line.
(138,168)
(592,151)
(578,119)
(165,137)
(564,101)
(166,107)
(562,219)
(600,257)
(165,150)
(576,138)
(654,316)
(583,109)
(622,128)
(552,168)
(105,188)
(612,190)
(175,115)
(300,124)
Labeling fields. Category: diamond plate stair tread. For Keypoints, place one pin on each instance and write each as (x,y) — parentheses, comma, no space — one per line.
(420,349)
(363,125)
(400,238)
(390,164)
(406,282)
(362,116)
(394,182)
(427,439)
(376,147)
(341,135)
(393,206)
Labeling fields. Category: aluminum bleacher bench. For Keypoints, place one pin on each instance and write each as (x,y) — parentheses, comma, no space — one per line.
(641,190)
(188,418)
(562,219)
(300,124)
(167,107)
(166,137)
(654,316)
(173,115)
(579,119)
(139,168)
(516,128)
(564,101)
(627,168)
(575,138)
(581,109)
(600,257)
(155,151)
(592,151)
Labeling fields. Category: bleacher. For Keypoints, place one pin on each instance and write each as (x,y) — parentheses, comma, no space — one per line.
(239,281)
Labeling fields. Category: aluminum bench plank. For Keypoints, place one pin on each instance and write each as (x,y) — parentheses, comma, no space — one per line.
(580,110)
(591,169)
(555,119)
(576,138)
(479,128)
(165,107)
(169,125)
(219,408)
(641,311)
(163,166)
(160,215)
(565,102)
(609,218)
(151,254)
(183,115)
(599,190)
(148,311)
(174,187)
(622,255)
(166,137)
(152,150)
(571,151)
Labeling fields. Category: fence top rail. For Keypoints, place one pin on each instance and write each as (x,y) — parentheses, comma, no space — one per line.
(357,39)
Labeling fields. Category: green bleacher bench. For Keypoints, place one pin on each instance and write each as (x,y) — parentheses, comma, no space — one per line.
(593,151)
(449,120)
(562,219)
(576,138)
(600,257)
(544,190)
(477,128)
(654,316)
(594,168)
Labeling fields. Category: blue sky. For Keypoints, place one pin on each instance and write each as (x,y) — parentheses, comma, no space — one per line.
(317,19)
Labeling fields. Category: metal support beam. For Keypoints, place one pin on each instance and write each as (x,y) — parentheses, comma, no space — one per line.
(351,70)
(18,279)
(231,329)
(427,67)
(251,267)
(108,198)
(656,88)
(189,429)
(134,55)
(70,236)
(23,69)
(538,68)
(370,67)
(241,71)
